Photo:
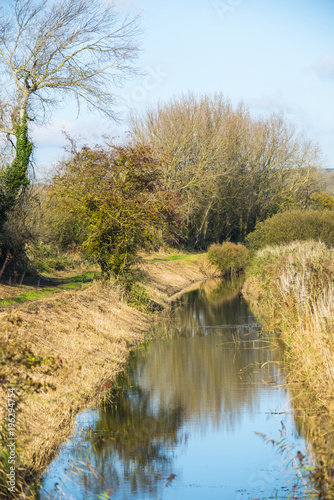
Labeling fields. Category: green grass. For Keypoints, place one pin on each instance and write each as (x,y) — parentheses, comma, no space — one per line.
(76,282)
(189,257)
(86,277)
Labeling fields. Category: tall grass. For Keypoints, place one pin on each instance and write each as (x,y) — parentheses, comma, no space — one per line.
(292,288)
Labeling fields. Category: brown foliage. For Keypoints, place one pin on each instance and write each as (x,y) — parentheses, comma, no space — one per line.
(231,169)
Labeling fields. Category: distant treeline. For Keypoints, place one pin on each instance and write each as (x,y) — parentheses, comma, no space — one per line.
(233,170)
(196,171)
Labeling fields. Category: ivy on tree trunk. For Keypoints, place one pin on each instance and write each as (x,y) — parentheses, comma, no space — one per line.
(15,176)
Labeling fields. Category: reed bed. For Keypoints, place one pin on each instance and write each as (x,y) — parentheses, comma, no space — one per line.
(292,290)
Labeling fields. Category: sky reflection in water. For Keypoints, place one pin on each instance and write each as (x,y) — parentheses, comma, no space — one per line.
(185,415)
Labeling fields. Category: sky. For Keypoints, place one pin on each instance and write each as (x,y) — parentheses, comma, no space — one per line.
(274,55)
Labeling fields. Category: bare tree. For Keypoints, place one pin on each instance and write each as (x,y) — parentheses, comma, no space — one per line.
(231,168)
(51,50)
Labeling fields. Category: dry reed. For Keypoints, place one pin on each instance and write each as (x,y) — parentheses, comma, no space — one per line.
(293,289)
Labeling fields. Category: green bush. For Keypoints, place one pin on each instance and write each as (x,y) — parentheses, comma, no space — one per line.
(228,257)
(117,199)
(293,225)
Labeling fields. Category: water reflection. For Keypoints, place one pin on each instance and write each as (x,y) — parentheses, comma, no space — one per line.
(214,303)
(185,413)
(207,380)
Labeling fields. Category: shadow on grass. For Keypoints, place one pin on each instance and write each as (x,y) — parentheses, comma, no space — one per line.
(44,286)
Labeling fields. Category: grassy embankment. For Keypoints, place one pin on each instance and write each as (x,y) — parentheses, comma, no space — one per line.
(64,341)
(291,289)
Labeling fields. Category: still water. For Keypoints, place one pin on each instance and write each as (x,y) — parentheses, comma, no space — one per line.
(197,416)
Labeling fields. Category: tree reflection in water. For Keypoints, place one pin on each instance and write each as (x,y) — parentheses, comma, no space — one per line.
(175,388)
(131,443)
(211,382)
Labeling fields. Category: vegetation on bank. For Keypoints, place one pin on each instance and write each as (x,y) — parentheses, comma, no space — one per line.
(291,290)
(293,225)
(316,425)
(116,200)
(228,257)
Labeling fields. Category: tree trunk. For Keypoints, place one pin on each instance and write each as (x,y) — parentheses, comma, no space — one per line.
(15,176)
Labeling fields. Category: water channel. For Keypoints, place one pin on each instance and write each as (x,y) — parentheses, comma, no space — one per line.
(197,415)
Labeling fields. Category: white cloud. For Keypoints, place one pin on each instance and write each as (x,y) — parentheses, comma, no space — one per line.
(268,102)
(324,68)
(277,103)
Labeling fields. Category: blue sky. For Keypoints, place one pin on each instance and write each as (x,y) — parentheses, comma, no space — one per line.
(275,55)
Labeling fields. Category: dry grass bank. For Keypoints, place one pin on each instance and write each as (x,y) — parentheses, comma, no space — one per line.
(66,350)
(169,274)
(316,427)
(291,289)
